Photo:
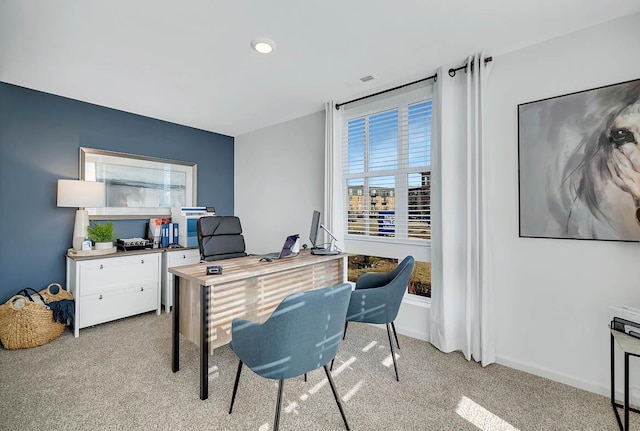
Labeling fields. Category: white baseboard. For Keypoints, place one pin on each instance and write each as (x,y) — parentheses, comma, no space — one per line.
(409,332)
(560,377)
(413,333)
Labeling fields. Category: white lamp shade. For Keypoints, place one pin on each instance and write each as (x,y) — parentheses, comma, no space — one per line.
(81,194)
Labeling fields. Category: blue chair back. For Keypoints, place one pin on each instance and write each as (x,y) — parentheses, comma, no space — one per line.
(378,296)
(301,335)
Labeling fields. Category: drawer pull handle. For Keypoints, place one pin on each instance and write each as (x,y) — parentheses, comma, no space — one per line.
(142,261)
(142,289)
(184,256)
(100,297)
(101,266)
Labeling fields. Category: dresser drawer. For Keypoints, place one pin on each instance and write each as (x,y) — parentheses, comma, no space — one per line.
(104,275)
(182,257)
(116,304)
(172,259)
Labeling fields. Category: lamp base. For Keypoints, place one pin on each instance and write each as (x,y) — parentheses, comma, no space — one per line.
(77,243)
(80,229)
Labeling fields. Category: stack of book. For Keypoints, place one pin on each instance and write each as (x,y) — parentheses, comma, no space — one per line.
(163,233)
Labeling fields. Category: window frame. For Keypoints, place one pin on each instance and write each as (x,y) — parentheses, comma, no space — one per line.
(365,109)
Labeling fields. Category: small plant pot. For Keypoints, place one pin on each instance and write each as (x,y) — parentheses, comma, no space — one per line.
(103,245)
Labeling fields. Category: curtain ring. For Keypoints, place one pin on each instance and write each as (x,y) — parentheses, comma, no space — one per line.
(452,72)
(435,78)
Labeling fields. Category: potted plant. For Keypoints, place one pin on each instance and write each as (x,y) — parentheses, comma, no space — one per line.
(102,235)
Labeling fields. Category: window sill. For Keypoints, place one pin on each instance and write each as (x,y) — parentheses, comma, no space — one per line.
(416,300)
(383,240)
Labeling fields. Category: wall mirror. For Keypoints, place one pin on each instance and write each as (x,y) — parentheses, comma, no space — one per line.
(138,186)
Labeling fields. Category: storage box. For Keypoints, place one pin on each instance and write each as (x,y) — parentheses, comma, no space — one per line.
(624,312)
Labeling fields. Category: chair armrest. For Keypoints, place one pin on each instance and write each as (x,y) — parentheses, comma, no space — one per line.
(370,280)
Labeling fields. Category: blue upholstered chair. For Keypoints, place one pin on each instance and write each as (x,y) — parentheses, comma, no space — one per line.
(302,334)
(377,298)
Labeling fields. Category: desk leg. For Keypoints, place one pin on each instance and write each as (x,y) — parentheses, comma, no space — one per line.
(204,343)
(613,382)
(626,391)
(175,327)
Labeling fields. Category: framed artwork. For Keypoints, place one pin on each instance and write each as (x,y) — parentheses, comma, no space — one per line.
(138,186)
(579,165)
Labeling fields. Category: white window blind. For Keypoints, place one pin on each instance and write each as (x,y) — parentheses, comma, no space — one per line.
(387,169)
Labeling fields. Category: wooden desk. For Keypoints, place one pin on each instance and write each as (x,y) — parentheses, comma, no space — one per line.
(205,305)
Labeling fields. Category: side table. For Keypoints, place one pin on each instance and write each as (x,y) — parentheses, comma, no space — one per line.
(630,347)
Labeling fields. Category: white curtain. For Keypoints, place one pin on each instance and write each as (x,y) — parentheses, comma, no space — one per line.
(332,170)
(461,313)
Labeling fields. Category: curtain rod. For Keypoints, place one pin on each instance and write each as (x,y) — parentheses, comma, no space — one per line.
(434,77)
(452,71)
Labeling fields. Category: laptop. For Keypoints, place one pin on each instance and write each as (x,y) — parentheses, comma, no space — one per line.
(286,248)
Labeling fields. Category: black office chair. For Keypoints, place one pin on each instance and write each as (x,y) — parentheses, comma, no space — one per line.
(220,237)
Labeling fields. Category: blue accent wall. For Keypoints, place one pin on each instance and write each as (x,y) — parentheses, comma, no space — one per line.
(40,137)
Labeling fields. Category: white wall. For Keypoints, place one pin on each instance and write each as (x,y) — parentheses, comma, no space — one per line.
(279,181)
(552,297)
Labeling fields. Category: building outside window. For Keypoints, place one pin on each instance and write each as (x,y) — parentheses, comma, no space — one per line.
(389,160)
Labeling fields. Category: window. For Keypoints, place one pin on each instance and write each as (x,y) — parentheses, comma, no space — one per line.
(388,162)
(419,284)
(386,180)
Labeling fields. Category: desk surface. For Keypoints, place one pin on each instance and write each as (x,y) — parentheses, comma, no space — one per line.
(249,266)
(627,343)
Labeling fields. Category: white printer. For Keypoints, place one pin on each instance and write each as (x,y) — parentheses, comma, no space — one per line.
(187,217)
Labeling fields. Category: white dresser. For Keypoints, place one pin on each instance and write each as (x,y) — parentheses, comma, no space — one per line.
(171,258)
(110,287)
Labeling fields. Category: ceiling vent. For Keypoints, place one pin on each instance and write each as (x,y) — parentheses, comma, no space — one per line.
(366,78)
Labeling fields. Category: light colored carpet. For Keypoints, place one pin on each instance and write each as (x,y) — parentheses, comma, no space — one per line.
(117,376)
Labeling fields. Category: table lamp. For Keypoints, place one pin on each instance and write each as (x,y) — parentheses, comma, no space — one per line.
(80,194)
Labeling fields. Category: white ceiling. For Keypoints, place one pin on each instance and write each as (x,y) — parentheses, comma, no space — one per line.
(190,62)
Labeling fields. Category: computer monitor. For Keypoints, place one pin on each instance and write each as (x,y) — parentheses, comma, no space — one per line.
(315,227)
(316,243)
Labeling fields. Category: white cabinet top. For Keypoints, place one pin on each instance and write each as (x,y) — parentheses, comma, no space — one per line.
(120,253)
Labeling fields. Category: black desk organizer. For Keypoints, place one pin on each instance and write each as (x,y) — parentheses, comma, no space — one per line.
(128,244)
(626,326)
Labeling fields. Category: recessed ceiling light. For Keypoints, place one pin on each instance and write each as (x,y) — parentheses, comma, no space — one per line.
(366,78)
(263,45)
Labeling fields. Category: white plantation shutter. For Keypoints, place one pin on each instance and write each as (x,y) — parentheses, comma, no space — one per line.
(387,168)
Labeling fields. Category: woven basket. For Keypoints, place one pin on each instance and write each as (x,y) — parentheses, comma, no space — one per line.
(25,324)
(50,297)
